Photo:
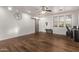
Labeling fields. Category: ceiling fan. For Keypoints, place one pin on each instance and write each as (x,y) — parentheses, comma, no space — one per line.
(45,8)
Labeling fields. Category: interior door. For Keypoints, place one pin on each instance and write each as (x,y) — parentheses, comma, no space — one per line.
(36,25)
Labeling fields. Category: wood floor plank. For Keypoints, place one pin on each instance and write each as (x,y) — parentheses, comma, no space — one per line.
(41,42)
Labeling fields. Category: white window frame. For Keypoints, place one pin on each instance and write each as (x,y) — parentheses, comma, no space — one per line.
(59,20)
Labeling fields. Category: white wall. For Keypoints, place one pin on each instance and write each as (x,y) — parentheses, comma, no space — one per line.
(75,19)
(42,25)
(78,18)
(49,19)
(10,27)
(61,31)
(57,30)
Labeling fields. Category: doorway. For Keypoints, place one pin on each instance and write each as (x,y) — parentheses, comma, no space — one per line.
(36,25)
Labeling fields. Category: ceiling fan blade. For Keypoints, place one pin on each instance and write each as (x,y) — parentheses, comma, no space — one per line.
(49,10)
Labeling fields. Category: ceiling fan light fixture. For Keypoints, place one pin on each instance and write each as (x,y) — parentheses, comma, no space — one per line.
(43,12)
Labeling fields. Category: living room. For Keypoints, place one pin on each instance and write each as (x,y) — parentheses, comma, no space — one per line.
(35,28)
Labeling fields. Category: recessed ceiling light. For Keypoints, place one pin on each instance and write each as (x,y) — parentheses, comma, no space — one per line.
(10,8)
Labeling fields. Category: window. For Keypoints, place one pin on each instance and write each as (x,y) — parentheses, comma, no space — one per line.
(62,21)
(68,20)
(55,21)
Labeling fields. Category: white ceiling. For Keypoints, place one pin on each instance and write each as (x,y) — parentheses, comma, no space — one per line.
(36,10)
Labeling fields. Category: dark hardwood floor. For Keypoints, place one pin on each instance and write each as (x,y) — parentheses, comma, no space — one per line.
(41,42)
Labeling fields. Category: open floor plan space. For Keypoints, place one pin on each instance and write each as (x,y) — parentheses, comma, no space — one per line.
(41,42)
(39,28)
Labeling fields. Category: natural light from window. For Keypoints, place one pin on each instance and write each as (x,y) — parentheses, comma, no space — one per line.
(62,21)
